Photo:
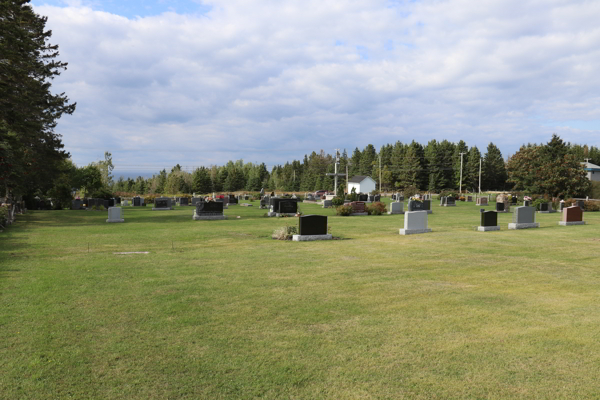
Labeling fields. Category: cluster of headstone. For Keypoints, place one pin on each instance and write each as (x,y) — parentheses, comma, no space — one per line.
(447,201)
(279,206)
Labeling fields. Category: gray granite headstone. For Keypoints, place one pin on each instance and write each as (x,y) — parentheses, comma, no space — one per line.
(415,222)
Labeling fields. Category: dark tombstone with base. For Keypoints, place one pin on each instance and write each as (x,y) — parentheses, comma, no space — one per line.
(162,203)
(288,206)
(489,221)
(499,207)
(184,201)
(415,205)
(312,227)
(363,197)
(137,201)
(209,210)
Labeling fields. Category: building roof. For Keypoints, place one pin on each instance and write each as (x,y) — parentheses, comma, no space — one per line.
(588,166)
(358,179)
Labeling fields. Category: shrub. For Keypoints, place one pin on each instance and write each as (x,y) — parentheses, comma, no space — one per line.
(462,198)
(592,206)
(410,191)
(376,208)
(284,233)
(149,198)
(344,210)
(337,201)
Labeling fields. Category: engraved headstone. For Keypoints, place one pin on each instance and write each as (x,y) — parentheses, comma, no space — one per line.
(115,214)
(523,218)
(572,216)
(209,210)
(396,207)
(482,201)
(415,222)
(162,203)
(415,205)
(489,221)
(358,208)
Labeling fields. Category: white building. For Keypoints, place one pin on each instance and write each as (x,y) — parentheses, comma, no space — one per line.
(592,171)
(362,184)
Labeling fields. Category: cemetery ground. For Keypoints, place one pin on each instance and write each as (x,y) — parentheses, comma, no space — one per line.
(218,309)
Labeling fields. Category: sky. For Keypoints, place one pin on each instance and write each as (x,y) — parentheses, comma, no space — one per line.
(199,83)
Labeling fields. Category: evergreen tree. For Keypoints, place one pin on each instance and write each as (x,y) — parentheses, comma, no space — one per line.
(354,168)
(410,170)
(31,154)
(471,172)
(433,166)
(368,158)
(201,181)
(494,169)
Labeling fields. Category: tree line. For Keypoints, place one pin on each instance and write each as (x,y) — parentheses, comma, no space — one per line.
(33,162)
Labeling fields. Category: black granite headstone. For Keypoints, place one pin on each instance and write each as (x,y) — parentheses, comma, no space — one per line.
(544,207)
(210,208)
(426,205)
(184,201)
(489,218)
(288,206)
(450,200)
(137,202)
(363,197)
(499,206)
(415,205)
(313,225)
(161,203)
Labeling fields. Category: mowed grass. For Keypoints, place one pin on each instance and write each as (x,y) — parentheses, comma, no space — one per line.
(219,310)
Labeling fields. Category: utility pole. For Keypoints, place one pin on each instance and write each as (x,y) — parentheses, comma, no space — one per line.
(335,174)
(479,175)
(460,183)
(379,171)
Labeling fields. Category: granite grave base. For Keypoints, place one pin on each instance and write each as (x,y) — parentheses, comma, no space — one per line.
(197,217)
(308,238)
(568,223)
(513,225)
(488,228)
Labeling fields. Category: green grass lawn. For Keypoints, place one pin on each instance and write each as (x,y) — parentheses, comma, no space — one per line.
(219,310)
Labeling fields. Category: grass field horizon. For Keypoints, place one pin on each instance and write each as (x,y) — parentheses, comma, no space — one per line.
(219,310)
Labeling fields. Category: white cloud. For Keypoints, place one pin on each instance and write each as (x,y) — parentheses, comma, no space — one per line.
(270,81)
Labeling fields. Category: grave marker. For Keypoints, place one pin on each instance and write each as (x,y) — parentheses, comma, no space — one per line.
(523,218)
(415,222)
(572,216)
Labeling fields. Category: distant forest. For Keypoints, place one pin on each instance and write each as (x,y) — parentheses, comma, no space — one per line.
(433,167)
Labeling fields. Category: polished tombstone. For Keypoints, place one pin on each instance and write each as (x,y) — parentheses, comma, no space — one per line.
(527,203)
(115,214)
(209,210)
(377,197)
(125,203)
(327,203)
(514,200)
(137,201)
(489,221)
(197,200)
(442,200)
(523,218)
(502,207)
(396,207)
(358,208)
(184,201)
(427,206)
(572,216)
(470,198)
(363,197)
(312,227)
(162,204)
(415,205)
(482,201)
(546,208)
(415,222)
(77,205)
(450,202)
